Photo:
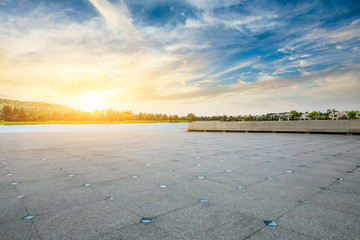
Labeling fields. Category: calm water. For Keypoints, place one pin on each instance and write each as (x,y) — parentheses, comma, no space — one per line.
(91,127)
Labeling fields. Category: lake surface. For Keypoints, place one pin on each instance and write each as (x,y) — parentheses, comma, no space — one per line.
(91,127)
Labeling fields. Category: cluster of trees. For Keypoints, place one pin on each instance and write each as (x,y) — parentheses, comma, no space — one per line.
(20,115)
(293,115)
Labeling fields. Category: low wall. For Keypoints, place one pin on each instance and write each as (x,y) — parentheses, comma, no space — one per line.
(315,126)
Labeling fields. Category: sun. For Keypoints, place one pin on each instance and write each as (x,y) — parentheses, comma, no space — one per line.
(91,101)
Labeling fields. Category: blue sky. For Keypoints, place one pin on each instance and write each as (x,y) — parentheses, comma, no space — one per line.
(203,56)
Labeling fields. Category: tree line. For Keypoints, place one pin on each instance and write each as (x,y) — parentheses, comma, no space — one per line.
(286,116)
(14,114)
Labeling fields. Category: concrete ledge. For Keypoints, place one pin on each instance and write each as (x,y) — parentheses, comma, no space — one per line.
(348,127)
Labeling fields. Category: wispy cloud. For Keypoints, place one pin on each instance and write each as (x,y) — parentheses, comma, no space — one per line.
(118,19)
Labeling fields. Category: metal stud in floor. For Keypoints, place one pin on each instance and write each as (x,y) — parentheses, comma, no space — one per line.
(29,216)
(270,223)
(146,220)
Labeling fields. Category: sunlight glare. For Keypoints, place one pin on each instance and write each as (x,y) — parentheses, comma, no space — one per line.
(91,101)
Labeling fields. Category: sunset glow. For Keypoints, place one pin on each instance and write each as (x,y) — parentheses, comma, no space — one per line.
(203,56)
(92,100)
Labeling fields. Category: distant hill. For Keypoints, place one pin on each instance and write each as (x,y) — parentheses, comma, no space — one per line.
(34,106)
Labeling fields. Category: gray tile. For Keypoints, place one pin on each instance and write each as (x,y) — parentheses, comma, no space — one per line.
(322,223)
(306,179)
(7,190)
(47,185)
(101,176)
(156,201)
(164,176)
(256,204)
(207,221)
(84,222)
(4,179)
(345,187)
(285,190)
(11,209)
(236,178)
(43,202)
(200,171)
(278,233)
(124,186)
(19,229)
(38,174)
(202,188)
(83,168)
(138,231)
(340,201)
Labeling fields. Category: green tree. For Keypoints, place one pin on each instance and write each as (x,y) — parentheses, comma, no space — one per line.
(295,115)
(352,114)
(15,114)
(22,115)
(175,118)
(191,117)
(313,115)
(7,113)
(231,119)
(110,115)
(224,118)
(43,117)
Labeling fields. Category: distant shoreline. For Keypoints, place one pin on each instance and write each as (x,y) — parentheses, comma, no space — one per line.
(87,122)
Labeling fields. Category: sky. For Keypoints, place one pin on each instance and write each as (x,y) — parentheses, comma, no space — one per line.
(209,57)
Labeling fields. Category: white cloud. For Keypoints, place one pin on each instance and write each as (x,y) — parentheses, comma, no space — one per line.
(319,38)
(265,78)
(207,81)
(211,4)
(303,63)
(118,19)
(237,67)
(305,55)
(247,20)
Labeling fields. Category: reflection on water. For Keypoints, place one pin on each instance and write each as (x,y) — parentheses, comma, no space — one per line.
(91,127)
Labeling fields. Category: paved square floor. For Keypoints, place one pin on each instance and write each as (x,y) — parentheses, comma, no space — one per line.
(309,185)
